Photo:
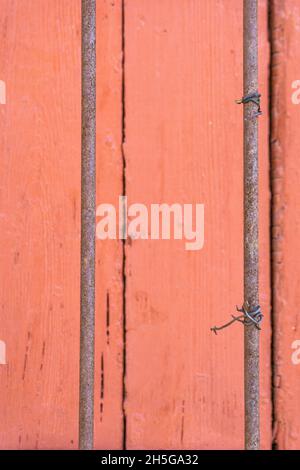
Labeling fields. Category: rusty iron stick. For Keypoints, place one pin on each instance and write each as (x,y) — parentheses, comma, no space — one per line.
(88,207)
(251,333)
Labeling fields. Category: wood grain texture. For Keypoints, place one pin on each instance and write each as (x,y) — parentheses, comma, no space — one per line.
(40,217)
(40,223)
(184,386)
(286,220)
(183,143)
(109,253)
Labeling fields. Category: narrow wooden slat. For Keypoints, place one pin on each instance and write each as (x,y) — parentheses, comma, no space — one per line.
(109,253)
(184,144)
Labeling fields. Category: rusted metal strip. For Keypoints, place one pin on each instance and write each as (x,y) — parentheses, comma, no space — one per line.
(88,208)
(251,297)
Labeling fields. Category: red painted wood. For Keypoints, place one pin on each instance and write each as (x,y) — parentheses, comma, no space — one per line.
(184,144)
(40,223)
(109,283)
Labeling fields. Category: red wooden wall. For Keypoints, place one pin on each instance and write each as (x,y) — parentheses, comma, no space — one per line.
(168,130)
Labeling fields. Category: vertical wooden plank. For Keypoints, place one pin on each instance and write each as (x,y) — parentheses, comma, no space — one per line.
(40,223)
(183,71)
(109,253)
(40,215)
(285,33)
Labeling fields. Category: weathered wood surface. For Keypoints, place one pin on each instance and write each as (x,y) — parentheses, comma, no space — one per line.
(182,143)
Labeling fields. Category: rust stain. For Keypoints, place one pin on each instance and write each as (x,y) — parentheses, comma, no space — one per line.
(26,354)
(43,355)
